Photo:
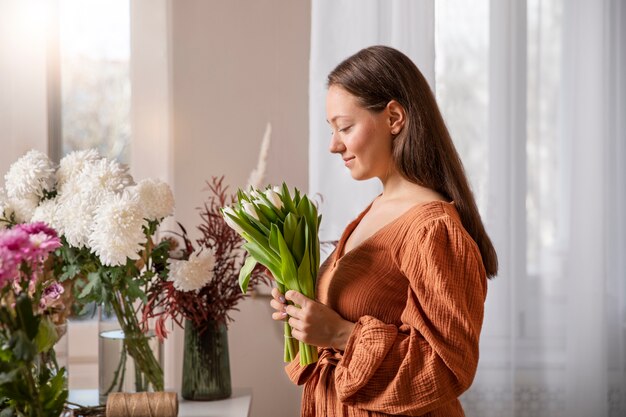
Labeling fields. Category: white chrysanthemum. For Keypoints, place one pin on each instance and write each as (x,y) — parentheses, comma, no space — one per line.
(30,176)
(47,212)
(104,176)
(75,214)
(72,165)
(155,197)
(117,230)
(193,274)
(21,208)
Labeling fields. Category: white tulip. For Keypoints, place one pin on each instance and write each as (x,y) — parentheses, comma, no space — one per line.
(250,210)
(226,211)
(274,198)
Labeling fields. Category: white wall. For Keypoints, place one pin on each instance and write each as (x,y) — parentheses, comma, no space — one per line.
(235,66)
(23,94)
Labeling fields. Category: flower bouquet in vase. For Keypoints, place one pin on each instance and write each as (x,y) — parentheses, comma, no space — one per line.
(108,254)
(31,381)
(198,294)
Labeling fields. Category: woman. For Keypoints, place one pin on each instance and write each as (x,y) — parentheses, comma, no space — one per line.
(400,301)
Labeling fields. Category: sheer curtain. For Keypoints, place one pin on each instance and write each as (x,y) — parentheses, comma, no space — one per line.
(534,95)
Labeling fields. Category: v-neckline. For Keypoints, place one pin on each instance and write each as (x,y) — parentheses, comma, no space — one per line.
(339,255)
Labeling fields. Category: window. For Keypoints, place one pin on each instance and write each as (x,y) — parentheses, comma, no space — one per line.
(94,40)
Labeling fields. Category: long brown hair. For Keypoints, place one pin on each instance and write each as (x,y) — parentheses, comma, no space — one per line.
(423,150)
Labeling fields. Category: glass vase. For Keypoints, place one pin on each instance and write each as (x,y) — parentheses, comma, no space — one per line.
(206,366)
(128,359)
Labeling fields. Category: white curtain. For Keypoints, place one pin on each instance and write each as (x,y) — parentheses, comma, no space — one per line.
(534,94)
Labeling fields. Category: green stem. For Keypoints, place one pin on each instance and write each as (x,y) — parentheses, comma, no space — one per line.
(36,405)
(137,344)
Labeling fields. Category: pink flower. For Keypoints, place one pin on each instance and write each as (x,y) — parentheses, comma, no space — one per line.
(8,266)
(37,227)
(43,239)
(51,294)
(15,240)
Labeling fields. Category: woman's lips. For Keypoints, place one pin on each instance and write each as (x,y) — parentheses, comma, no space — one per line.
(347,161)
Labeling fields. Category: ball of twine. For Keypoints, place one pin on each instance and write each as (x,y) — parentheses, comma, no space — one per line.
(142,404)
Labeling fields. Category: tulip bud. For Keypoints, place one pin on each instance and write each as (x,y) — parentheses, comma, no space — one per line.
(274,198)
(250,210)
(226,213)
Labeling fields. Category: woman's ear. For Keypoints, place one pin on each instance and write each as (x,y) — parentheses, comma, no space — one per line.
(396,116)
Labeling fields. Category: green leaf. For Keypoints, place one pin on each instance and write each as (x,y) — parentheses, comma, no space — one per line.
(267,213)
(46,336)
(289,228)
(22,346)
(286,198)
(69,271)
(273,241)
(299,241)
(245,273)
(262,225)
(94,282)
(305,280)
(25,317)
(278,213)
(264,258)
(54,394)
(250,230)
(296,197)
(9,377)
(287,266)
(133,291)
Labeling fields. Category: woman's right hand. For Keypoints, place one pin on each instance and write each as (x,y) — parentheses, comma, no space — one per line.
(279,304)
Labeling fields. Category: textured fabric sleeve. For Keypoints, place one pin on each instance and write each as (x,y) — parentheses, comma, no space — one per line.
(432,357)
(298,374)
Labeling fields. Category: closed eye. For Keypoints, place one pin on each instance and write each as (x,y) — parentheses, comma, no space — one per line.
(345,129)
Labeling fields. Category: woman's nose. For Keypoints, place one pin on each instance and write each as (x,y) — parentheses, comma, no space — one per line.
(336,146)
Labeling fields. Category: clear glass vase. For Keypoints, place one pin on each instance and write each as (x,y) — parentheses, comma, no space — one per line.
(127,360)
(206,365)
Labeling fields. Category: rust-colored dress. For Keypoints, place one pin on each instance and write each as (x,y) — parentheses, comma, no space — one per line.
(416,291)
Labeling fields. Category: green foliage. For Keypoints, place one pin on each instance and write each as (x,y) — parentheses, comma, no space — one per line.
(31,385)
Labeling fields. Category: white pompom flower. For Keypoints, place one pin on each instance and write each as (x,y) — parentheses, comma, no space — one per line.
(30,176)
(22,209)
(47,212)
(104,176)
(75,214)
(73,164)
(117,230)
(155,197)
(194,273)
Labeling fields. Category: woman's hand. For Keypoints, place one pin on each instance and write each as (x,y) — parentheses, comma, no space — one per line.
(312,322)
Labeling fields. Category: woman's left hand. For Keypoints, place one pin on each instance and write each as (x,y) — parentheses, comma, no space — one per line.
(315,323)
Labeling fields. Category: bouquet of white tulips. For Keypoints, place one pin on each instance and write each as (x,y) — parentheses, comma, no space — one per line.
(281,233)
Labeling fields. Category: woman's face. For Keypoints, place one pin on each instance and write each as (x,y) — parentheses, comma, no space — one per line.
(362,137)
